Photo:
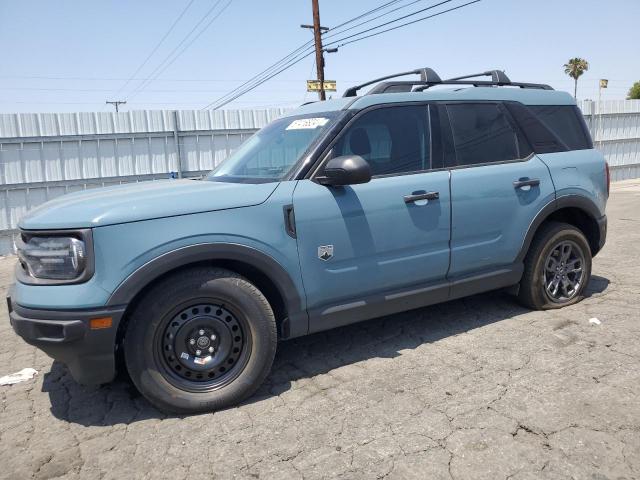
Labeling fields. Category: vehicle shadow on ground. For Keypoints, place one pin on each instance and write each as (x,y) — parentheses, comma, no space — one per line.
(120,403)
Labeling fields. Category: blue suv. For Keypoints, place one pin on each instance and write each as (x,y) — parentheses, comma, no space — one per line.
(419,192)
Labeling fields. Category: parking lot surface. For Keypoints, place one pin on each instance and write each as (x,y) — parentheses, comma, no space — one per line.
(475,388)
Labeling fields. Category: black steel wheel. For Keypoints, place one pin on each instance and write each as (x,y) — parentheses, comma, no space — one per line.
(200,340)
(204,346)
(557,267)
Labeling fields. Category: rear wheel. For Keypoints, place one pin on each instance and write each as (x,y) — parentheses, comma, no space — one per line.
(200,340)
(557,268)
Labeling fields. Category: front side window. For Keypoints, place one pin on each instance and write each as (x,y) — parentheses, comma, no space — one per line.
(272,152)
(393,140)
(482,133)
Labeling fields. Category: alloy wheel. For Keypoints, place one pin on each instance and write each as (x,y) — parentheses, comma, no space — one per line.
(563,271)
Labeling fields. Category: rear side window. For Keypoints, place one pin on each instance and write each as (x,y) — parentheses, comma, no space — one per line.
(482,133)
(566,122)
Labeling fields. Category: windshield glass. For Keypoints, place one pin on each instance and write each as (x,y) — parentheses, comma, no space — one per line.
(273,151)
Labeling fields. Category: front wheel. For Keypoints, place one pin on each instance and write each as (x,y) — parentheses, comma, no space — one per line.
(557,268)
(200,340)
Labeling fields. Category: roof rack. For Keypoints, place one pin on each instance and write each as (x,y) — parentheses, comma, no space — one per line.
(429,78)
(426,75)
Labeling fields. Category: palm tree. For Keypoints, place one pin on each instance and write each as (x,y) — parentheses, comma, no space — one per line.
(575,68)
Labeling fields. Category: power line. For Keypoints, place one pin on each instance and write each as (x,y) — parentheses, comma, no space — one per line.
(155,49)
(167,61)
(191,42)
(300,58)
(166,80)
(279,67)
(306,92)
(380,16)
(402,25)
(94,90)
(369,12)
(430,7)
(260,82)
(248,85)
(266,71)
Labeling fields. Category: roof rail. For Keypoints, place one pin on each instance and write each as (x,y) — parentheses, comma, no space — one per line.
(429,78)
(426,75)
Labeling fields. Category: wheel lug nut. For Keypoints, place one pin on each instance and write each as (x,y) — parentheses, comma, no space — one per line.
(213,337)
(192,341)
(210,349)
(201,332)
(198,352)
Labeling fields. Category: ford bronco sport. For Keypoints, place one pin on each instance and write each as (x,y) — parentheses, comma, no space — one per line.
(341,211)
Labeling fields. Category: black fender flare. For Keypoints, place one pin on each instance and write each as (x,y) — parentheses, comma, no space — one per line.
(297,320)
(565,201)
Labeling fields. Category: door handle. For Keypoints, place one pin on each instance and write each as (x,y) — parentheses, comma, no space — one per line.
(533,182)
(421,196)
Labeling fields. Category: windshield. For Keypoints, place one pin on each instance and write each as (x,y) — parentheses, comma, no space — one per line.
(273,151)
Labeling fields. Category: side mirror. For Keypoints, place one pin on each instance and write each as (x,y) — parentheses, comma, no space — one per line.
(345,170)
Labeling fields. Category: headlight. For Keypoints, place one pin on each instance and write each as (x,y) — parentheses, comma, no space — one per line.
(54,258)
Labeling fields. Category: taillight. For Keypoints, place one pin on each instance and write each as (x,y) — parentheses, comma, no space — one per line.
(608,176)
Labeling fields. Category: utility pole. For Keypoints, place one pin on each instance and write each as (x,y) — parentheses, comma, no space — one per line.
(116,103)
(317,36)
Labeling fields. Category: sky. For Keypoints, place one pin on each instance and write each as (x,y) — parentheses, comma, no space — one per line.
(73,55)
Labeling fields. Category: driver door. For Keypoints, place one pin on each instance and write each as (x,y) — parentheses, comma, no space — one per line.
(365,250)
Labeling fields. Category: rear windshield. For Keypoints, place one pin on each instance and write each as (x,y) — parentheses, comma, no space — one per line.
(272,152)
(566,122)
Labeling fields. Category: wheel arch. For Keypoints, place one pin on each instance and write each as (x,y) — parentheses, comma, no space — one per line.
(575,210)
(259,268)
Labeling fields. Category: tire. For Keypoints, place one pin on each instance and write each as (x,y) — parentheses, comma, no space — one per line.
(200,340)
(545,255)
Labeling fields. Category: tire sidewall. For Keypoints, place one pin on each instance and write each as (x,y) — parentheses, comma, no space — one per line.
(146,368)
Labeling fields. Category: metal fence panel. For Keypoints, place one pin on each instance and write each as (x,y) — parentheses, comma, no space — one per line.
(615,128)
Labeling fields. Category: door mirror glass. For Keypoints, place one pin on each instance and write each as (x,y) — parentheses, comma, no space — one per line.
(345,170)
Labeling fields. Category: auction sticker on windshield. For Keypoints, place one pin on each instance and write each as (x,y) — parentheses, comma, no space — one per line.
(307,123)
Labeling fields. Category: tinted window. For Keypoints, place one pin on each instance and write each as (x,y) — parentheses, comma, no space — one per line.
(539,136)
(566,122)
(393,140)
(482,133)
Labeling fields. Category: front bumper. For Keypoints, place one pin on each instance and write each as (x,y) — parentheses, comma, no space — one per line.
(67,336)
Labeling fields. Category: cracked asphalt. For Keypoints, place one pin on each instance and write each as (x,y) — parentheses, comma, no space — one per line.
(475,388)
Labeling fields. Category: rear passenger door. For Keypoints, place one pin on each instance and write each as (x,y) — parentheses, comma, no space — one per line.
(498,186)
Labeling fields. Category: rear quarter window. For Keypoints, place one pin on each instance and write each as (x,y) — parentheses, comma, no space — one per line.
(566,122)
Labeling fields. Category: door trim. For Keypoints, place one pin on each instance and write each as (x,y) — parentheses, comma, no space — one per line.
(390,302)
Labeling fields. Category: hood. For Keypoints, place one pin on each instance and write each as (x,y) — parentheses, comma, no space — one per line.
(143,201)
